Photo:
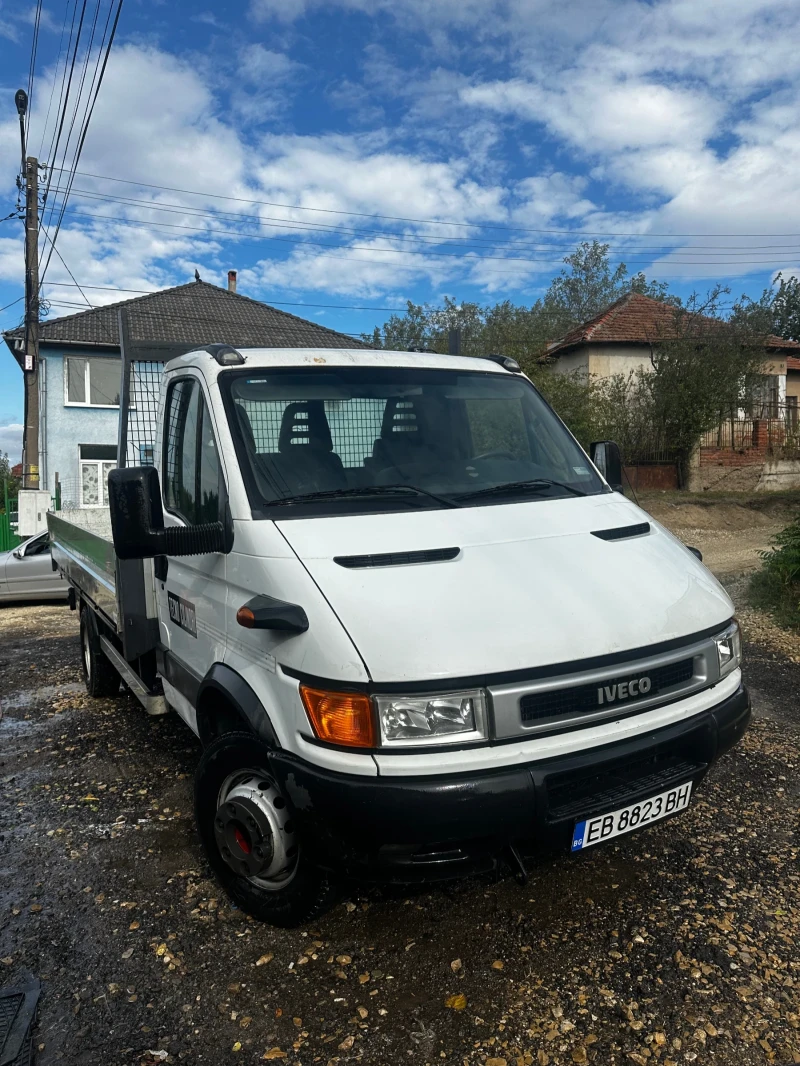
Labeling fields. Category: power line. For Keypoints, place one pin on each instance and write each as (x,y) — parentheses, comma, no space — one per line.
(219,325)
(463,257)
(62,108)
(277,303)
(55,77)
(281,303)
(32,68)
(89,112)
(74,282)
(421,221)
(19,299)
(272,222)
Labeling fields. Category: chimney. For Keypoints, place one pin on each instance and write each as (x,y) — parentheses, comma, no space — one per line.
(231,281)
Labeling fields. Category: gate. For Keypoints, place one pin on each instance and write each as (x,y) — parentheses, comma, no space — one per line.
(8,523)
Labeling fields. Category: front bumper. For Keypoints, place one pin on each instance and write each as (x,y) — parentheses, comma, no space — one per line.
(429,828)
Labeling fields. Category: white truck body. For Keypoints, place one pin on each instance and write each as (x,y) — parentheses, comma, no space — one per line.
(589,642)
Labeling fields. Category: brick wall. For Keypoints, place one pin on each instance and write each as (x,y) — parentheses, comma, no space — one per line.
(726,457)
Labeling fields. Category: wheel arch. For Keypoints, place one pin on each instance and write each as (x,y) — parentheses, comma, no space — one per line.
(225,698)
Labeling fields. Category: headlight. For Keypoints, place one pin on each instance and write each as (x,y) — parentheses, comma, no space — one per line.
(729,649)
(453,718)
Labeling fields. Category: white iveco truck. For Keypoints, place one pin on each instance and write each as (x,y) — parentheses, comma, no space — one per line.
(414,626)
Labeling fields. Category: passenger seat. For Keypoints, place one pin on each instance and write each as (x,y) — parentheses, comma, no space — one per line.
(306,461)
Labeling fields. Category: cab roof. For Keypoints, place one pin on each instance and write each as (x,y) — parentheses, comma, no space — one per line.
(266,358)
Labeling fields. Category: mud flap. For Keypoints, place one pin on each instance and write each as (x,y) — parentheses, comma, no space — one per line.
(17,1015)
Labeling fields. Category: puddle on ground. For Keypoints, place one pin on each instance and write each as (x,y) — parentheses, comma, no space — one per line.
(33,697)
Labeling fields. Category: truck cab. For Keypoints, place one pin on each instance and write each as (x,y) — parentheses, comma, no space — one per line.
(416,629)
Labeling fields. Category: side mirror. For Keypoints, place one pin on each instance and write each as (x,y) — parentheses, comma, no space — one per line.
(137,520)
(19,552)
(606,457)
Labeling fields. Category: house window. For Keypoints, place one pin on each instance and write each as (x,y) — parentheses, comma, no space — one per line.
(191,461)
(92,382)
(96,460)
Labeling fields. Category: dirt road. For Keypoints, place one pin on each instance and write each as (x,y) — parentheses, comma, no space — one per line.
(677,945)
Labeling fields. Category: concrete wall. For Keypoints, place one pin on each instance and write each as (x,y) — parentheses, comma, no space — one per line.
(62,429)
(603,360)
(606,360)
(779,474)
(571,362)
(793,383)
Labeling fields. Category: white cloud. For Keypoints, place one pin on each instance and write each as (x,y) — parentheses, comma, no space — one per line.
(678,118)
(598,112)
(11,441)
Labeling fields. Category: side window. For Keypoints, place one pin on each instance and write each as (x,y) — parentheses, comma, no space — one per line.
(191,461)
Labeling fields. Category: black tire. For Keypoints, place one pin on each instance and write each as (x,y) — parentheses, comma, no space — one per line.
(100,677)
(306,891)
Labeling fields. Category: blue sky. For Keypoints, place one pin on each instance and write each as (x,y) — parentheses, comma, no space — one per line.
(365,152)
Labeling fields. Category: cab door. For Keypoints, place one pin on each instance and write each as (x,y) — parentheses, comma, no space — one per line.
(193,593)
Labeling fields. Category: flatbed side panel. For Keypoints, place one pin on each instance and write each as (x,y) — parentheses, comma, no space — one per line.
(88,562)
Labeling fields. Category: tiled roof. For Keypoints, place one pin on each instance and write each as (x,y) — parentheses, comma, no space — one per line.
(189,316)
(635,319)
(792,362)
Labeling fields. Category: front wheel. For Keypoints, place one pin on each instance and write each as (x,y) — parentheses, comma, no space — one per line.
(249,836)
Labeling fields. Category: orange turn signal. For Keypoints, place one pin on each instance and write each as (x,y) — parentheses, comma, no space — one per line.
(246,618)
(340,717)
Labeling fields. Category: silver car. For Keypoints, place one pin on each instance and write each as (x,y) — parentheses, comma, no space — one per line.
(26,573)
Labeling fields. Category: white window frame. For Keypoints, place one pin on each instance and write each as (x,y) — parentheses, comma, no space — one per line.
(102,488)
(86,384)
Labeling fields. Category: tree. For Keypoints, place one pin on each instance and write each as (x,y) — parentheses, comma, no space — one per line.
(580,292)
(703,368)
(777,311)
(589,285)
(6,476)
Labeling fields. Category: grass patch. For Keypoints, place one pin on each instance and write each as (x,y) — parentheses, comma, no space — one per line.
(776,586)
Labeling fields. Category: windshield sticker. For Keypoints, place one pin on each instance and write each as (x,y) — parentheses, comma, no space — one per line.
(182,613)
(581,471)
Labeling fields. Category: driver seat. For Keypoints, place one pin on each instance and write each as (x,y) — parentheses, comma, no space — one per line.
(402,441)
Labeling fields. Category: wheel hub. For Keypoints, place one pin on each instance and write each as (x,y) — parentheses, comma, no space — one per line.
(254,830)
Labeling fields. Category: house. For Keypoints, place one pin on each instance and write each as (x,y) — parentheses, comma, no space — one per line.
(620,339)
(793,386)
(80,369)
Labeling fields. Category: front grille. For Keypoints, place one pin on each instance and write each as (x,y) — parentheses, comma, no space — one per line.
(585,699)
(579,797)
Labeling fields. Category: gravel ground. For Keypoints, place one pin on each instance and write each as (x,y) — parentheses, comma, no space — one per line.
(678,944)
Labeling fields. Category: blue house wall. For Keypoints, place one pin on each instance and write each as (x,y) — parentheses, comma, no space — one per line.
(63,428)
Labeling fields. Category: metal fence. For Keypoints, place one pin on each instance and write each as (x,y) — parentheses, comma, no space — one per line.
(768,429)
(8,522)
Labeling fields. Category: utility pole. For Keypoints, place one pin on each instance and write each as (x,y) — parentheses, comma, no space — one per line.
(30,366)
(30,444)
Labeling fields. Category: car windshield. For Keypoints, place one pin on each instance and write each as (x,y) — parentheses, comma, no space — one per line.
(345,439)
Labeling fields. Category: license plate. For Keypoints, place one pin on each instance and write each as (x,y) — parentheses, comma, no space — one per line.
(605,826)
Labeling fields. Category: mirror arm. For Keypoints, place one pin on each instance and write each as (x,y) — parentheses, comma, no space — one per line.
(192,540)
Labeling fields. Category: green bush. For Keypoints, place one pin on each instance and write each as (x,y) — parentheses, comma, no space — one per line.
(776,586)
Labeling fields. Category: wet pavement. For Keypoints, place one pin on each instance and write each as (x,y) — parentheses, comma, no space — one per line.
(678,944)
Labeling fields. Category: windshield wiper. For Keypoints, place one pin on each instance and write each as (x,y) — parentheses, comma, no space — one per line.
(363,490)
(520,486)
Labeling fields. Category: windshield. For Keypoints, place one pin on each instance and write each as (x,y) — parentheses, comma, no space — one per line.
(348,439)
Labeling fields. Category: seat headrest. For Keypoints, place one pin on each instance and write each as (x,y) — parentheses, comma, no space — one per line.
(304,423)
(400,416)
